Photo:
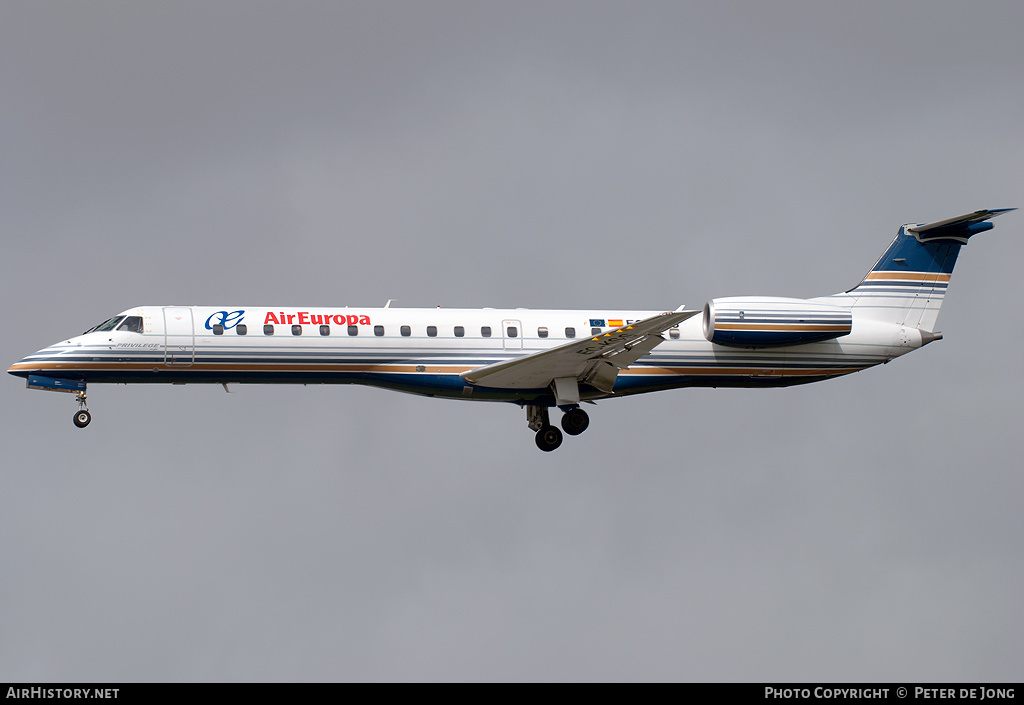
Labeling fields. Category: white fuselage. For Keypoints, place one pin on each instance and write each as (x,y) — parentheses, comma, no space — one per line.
(424,351)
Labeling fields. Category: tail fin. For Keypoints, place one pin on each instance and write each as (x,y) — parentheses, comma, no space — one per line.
(907,284)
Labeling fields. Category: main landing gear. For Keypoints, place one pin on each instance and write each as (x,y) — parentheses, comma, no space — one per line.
(82,416)
(548,438)
(574,422)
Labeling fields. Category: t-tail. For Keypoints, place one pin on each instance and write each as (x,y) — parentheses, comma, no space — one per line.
(908,283)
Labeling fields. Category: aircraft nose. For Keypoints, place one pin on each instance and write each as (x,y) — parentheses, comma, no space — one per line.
(33,364)
(21,368)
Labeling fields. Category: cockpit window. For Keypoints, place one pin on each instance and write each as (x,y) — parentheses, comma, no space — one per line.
(132,324)
(106,325)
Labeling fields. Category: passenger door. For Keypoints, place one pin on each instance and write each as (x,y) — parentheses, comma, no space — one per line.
(179,337)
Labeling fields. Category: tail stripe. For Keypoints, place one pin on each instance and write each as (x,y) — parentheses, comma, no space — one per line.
(908,276)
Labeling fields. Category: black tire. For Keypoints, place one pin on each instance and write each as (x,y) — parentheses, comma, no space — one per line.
(82,418)
(548,438)
(575,421)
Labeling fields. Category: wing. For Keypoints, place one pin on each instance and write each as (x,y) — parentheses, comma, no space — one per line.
(595,360)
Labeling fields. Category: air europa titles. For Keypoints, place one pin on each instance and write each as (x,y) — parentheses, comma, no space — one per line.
(306,318)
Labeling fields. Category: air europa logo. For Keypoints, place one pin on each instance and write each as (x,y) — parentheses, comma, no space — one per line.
(228,320)
(306,318)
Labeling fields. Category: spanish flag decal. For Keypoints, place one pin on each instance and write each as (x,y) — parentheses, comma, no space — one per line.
(615,322)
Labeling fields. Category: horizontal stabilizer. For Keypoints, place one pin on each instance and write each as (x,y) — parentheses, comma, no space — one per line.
(959,228)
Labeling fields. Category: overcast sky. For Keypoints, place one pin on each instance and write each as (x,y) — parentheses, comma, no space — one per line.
(540,154)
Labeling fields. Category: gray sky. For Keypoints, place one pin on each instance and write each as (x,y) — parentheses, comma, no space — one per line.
(547,155)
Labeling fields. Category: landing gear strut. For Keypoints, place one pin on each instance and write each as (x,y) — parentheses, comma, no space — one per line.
(82,416)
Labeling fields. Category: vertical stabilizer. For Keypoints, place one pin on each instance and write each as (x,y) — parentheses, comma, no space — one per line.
(908,283)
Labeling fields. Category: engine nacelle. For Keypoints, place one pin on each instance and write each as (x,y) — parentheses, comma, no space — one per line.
(765,321)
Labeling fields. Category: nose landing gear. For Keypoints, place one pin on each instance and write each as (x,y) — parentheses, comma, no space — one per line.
(82,416)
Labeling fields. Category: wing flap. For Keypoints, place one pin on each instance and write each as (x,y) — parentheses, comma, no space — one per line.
(580,359)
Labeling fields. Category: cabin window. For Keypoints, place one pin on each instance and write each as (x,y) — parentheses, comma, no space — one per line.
(268,329)
(512,332)
(325,330)
(241,329)
(595,331)
(296,329)
(460,331)
(406,331)
(485,331)
(378,330)
(353,330)
(673,333)
(132,324)
(432,331)
(570,332)
(218,329)
(542,332)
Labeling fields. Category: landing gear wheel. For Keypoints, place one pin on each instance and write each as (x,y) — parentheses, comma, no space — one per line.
(82,418)
(575,421)
(548,438)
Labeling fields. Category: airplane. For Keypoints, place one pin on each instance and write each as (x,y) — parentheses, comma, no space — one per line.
(539,359)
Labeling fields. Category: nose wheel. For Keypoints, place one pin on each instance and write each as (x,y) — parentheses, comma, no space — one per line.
(82,416)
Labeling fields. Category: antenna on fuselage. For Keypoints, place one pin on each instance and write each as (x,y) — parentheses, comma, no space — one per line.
(388,304)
